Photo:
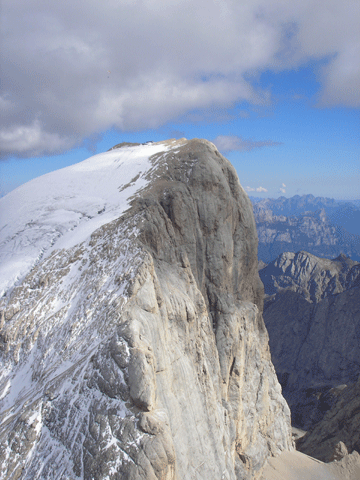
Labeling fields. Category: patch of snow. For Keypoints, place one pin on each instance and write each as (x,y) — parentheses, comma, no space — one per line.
(19,386)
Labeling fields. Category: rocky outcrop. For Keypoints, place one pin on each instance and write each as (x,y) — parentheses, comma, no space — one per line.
(339,431)
(141,352)
(314,327)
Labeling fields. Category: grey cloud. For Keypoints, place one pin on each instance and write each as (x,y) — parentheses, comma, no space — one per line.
(229,143)
(164,62)
(20,139)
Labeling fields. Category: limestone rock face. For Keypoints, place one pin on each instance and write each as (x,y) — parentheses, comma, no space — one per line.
(314,327)
(141,352)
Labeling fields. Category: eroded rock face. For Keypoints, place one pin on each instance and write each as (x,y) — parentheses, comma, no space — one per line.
(142,351)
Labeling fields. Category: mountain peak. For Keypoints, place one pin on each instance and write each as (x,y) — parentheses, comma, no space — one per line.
(132,344)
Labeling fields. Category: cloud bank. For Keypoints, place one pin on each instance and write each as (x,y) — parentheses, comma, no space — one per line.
(72,69)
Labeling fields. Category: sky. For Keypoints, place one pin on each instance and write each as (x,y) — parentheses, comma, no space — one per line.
(274,84)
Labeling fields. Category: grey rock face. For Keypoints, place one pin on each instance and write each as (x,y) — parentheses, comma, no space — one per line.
(340,451)
(314,327)
(143,351)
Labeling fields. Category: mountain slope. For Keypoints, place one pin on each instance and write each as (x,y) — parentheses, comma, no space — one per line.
(132,340)
(340,424)
(63,208)
(312,313)
(313,277)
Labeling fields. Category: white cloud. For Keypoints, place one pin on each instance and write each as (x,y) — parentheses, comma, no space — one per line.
(282,189)
(257,189)
(228,143)
(164,61)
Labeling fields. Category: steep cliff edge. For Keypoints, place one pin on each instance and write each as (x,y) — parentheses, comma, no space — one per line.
(133,345)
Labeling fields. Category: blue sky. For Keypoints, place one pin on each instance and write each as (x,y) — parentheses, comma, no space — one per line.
(275,86)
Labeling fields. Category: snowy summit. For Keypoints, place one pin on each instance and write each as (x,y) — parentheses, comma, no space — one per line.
(62,209)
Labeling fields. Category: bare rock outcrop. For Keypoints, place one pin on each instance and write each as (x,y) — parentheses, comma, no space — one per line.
(141,352)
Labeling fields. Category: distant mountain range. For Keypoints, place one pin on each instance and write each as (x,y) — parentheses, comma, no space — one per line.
(322,226)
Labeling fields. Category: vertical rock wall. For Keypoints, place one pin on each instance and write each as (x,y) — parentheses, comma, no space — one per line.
(215,370)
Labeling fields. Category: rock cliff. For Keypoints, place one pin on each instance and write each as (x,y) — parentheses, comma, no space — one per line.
(132,343)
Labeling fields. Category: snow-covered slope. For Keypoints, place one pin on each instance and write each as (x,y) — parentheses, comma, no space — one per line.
(61,209)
